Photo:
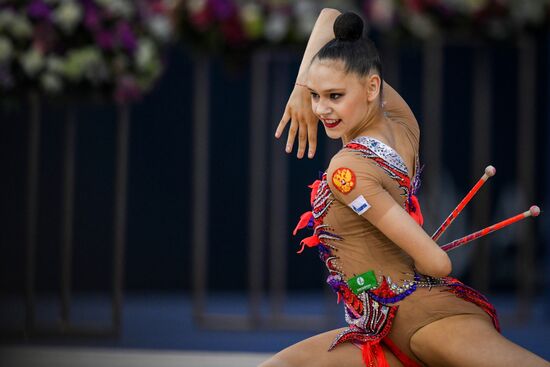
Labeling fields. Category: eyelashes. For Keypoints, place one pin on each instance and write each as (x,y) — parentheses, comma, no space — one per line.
(333,96)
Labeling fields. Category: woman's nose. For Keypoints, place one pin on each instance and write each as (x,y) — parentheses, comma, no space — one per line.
(322,109)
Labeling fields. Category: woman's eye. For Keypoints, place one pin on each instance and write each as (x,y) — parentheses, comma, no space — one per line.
(314,95)
(335,95)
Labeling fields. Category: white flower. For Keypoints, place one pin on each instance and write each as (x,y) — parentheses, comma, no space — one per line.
(160,27)
(20,26)
(6,17)
(251,16)
(6,49)
(86,63)
(306,13)
(67,15)
(51,82)
(32,61)
(196,6)
(122,8)
(55,64)
(145,53)
(421,26)
(276,27)
(251,11)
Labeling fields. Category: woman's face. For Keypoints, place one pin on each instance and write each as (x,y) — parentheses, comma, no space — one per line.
(340,100)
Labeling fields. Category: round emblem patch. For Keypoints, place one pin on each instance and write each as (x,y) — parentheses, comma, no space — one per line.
(344,180)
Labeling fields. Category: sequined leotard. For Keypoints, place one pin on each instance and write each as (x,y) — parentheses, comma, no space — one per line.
(367,176)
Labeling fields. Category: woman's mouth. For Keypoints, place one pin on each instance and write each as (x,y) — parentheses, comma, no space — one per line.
(331,123)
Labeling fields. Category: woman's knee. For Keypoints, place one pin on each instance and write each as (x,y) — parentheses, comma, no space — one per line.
(440,338)
(468,340)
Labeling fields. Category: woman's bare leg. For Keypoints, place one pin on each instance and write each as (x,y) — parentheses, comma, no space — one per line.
(313,352)
(469,340)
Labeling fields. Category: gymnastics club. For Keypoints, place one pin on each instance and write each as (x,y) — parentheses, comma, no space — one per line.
(489,172)
(533,211)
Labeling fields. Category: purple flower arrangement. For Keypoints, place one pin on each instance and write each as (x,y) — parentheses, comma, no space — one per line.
(81,47)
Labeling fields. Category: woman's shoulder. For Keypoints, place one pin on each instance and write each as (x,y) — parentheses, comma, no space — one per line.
(350,169)
(344,156)
(351,159)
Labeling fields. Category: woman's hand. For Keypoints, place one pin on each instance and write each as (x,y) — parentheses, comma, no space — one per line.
(298,108)
(302,121)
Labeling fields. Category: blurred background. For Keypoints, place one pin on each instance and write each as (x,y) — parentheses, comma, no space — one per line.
(146,209)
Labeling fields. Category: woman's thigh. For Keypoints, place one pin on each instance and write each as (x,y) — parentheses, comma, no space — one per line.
(314,352)
(469,340)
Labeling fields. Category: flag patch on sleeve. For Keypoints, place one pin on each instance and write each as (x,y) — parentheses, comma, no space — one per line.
(359,205)
(344,180)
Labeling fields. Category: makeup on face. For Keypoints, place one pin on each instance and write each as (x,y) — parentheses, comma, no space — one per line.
(339,99)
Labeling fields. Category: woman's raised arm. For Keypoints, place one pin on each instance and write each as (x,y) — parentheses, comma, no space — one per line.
(298,108)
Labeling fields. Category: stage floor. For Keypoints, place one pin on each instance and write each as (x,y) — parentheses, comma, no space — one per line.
(94,357)
(158,329)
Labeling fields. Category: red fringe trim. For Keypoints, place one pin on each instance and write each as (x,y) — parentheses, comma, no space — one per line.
(311,241)
(314,187)
(302,223)
(469,294)
(415,211)
(403,358)
(373,355)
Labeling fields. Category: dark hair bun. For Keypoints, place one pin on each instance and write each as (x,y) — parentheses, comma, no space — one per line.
(348,27)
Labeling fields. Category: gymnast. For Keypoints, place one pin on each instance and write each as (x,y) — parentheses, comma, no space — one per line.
(401,306)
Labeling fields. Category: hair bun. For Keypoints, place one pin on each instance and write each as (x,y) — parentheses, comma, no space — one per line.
(348,27)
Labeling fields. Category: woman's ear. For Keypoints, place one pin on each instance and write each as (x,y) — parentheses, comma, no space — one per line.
(373,87)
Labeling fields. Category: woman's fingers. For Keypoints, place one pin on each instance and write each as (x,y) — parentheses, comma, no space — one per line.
(302,122)
(302,138)
(305,127)
(312,136)
(292,130)
(283,123)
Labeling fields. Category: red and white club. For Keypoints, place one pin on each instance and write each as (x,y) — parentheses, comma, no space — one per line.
(489,172)
(534,211)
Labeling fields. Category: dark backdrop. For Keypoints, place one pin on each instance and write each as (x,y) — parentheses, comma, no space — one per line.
(158,249)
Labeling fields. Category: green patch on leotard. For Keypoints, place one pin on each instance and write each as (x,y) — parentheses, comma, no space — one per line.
(363,282)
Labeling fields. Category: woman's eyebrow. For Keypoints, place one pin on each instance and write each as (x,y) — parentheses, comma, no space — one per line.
(331,90)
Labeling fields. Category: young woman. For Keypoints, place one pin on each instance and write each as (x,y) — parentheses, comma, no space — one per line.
(401,306)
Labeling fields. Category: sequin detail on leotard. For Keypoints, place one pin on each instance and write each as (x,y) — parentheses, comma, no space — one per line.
(370,314)
(391,162)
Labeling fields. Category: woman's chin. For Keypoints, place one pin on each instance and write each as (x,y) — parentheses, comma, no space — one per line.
(332,134)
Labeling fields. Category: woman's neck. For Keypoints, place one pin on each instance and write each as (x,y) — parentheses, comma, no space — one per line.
(372,123)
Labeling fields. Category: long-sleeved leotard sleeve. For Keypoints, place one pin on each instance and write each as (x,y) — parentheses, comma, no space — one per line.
(358,183)
(396,109)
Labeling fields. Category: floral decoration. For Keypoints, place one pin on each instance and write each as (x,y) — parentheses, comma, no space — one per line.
(219,25)
(82,46)
(490,19)
(237,24)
